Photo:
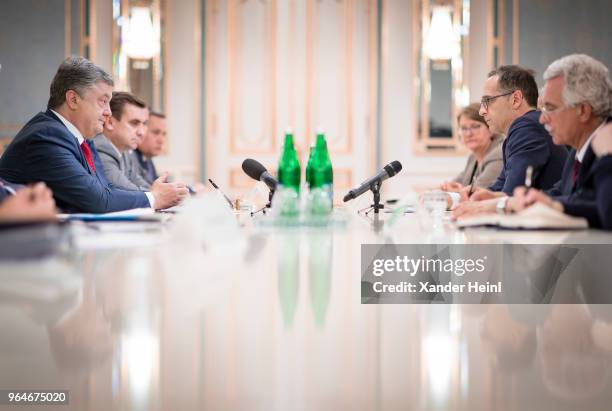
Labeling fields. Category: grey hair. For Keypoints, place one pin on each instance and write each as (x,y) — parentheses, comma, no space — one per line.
(586,81)
(78,74)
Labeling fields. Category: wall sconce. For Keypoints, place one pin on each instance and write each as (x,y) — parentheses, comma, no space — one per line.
(141,38)
(441,41)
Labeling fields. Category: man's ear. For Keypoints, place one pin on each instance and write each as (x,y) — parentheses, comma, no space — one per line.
(109,123)
(517,98)
(72,99)
(584,112)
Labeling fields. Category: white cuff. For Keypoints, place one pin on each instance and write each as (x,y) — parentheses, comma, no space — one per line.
(455,198)
(151,199)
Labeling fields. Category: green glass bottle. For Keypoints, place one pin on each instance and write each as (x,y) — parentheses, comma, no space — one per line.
(311,156)
(321,172)
(320,197)
(289,171)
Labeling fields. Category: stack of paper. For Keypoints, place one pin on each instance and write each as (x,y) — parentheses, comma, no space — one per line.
(135,214)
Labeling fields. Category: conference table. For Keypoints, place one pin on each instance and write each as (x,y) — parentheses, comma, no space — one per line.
(218,310)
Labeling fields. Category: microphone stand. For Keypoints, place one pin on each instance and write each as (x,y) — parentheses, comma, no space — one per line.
(269,205)
(376,206)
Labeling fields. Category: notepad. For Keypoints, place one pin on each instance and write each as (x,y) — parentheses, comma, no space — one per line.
(135,214)
(538,216)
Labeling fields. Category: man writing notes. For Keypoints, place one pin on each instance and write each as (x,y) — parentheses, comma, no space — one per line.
(53,147)
(508,105)
(577,104)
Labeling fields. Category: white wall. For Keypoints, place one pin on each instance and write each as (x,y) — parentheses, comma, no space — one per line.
(397,117)
(103,25)
(398,108)
(182,85)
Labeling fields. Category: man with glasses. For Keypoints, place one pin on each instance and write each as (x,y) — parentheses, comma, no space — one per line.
(508,105)
(576,105)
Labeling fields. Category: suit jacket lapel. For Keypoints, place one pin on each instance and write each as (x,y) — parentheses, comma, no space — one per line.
(74,141)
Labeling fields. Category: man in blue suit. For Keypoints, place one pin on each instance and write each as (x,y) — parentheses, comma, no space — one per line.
(53,147)
(508,105)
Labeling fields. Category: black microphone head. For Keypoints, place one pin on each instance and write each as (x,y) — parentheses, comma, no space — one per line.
(253,168)
(393,168)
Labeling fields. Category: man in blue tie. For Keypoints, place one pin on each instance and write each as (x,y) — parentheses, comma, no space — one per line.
(53,147)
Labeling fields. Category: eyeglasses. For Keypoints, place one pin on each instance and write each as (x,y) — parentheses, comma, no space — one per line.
(549,112)
(484,102)
(473,128)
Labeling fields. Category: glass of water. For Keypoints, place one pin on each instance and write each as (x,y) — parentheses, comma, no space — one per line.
(435,203)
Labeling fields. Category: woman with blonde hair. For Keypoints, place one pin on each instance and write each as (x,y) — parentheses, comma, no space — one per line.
(486,159)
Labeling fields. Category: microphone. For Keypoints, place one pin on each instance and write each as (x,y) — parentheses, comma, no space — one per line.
(389,170)
(257,171)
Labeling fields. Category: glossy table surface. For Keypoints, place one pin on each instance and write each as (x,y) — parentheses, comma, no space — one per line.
(224,313)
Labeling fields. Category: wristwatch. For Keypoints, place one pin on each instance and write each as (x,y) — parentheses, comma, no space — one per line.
(501,205)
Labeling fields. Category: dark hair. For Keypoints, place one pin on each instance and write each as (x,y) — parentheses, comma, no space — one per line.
(120,99)
(513,78)
(157,114)
(77,74)
(472,112)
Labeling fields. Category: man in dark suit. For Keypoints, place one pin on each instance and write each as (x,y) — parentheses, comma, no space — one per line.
(53,147)
(576,106)
(508,105)
(151,146)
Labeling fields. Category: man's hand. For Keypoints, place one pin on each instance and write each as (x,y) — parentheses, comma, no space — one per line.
(524,198)
(479,194)
(33,203)
(451,186)
(470,208)
(167,194)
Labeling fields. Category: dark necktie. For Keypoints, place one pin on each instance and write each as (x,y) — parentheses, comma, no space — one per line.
(88,155)
(576,169)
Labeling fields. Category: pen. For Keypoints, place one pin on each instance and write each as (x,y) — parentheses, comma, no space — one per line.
(473,180)
(216,187)
(528,178)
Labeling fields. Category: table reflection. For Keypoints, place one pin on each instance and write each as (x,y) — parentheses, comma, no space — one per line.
(279,324)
